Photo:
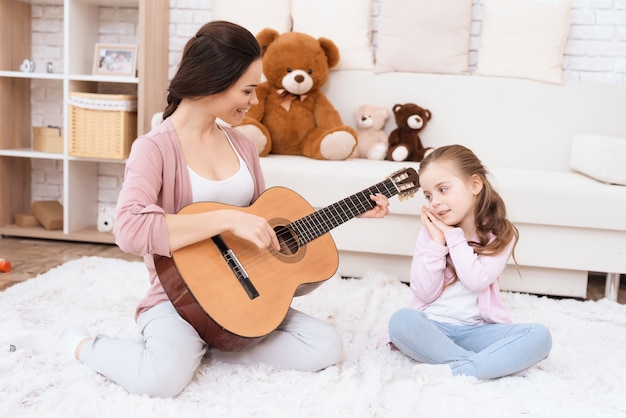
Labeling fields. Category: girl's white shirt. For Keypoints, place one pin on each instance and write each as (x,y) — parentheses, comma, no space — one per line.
(456,305)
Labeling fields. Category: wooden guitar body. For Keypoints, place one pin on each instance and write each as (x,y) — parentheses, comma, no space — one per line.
(235,294)
(207,294)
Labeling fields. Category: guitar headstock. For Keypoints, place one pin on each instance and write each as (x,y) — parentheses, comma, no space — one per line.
(407,182)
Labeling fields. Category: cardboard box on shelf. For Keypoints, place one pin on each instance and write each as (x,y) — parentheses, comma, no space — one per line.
(49,213)
(48,139)
(26,220)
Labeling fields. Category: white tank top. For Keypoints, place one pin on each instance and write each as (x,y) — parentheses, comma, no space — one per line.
(236,190)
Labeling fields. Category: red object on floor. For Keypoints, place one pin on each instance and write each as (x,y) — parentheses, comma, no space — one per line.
(5,266)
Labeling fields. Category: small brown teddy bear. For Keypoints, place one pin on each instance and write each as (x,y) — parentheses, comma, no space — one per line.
(372,140)
(293,116)
(404,141)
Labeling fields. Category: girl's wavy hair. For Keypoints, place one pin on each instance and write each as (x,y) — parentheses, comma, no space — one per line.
(212,61)
(489,210)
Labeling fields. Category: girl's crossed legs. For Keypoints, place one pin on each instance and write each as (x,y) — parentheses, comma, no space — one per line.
(484,351)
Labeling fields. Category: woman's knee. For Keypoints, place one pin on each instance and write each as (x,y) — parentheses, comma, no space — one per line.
(163,379)
(166,367)
(329,350)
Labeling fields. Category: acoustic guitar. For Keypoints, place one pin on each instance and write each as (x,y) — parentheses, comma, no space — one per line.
(235,294)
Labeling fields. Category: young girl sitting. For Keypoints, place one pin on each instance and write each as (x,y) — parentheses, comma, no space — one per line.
(456,323)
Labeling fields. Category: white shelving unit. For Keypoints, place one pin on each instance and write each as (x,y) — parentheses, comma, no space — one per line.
(80,175)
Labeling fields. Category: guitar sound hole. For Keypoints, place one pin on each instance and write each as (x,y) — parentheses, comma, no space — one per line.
(288,240)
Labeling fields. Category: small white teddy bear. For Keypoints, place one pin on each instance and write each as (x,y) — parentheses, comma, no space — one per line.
(373,142)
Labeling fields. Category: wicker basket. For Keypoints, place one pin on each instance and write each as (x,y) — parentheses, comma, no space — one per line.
(102,125)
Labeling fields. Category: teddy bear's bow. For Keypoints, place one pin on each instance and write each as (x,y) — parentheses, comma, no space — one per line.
(288,98)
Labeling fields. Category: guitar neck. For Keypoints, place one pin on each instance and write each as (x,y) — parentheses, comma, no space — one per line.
(324,220)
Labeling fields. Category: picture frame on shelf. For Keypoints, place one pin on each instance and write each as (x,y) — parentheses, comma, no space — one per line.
(115,59)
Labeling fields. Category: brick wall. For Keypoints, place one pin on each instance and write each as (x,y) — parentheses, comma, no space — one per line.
(595,52)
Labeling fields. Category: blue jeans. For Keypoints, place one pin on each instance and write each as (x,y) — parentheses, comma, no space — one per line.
(484,351)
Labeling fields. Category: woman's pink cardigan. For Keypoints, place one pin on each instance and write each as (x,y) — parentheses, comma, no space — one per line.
(156,182)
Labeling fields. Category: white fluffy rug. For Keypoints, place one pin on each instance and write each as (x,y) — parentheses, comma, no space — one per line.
(583,377)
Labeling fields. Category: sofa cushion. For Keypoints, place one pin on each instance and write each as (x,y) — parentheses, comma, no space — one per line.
(424,36)
(600,157)
(558,198)
(323,182)
(524,39)
(254,15)
(349,26)
(540,197)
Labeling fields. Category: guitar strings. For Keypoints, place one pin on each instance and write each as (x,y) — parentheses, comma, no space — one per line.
(318,223)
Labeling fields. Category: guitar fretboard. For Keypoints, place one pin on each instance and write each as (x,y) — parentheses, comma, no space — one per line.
(322,221)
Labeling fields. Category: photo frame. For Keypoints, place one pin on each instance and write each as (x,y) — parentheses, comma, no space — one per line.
(115,59)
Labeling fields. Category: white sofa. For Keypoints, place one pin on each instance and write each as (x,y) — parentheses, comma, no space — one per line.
(570,224)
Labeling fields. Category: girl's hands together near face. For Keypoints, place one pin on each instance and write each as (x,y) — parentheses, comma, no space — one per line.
(434,226)
(380,210)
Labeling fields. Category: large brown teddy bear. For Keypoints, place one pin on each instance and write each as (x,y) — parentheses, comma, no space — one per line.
(293,116)
(404,141)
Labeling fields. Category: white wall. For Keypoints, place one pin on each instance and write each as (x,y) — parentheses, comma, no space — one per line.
(595,53)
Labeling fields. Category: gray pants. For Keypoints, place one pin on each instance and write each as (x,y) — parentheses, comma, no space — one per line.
(164,359)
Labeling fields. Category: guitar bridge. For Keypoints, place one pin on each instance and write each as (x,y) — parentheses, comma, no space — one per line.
(236,267)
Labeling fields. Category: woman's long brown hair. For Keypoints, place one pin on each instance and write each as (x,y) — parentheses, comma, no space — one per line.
(212,61)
